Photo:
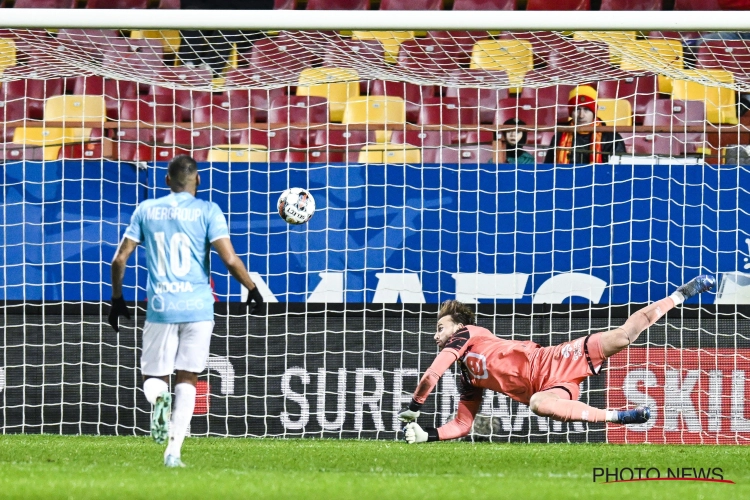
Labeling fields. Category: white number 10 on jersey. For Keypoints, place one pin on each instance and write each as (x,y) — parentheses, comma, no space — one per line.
(179,254)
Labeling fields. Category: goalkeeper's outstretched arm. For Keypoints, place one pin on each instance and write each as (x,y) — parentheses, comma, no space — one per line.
(456,428)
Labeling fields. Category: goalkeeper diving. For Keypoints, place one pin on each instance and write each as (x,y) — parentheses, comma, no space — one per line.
(544,378)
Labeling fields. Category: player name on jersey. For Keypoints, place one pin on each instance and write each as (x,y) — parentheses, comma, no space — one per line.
(173,213)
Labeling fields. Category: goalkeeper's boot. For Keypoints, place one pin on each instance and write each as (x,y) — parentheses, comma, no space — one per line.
(160,418)
(638,415)
(172,461)
(697,285)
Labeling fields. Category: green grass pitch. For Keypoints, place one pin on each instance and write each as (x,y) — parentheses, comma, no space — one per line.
(36,466)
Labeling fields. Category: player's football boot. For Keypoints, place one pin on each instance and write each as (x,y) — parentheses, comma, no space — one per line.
(173,461)
(160,418)
(638,415)
(697,285)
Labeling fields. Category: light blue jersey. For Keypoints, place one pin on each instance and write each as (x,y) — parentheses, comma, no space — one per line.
(177,231)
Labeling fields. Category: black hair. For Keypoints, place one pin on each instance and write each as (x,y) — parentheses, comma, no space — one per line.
(458,311)
(181,169)
(522,140)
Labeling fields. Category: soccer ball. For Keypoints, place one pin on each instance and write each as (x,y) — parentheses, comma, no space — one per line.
(296,205)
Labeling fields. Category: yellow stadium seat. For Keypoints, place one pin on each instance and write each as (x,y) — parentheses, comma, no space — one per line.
(79,108)
(615,112)
(391,41)
(250,153)
(655,56)
(381,110)
(721,105)
(516,57)
(170,39)
(50,136)
(338,85)
(7,53)
(611,38)
(390,153)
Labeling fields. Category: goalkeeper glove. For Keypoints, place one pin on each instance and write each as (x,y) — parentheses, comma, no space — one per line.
(407,415)
(117,308)
(413,433)
(253,295)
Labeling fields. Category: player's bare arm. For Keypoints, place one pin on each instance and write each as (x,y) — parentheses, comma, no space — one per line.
(236,268)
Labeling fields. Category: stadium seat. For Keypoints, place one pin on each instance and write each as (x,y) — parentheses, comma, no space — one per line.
(226,114)
(338,85)
(640,91)
(259,99)
(31,94)
(276,141)
(389,153)
(446,111)
(729,55)
(375,110)
(466,154)
(247,153)
(113,91)
(169,4)
(558,5)
(391,41)
(644,54)
(411,93)
(91,148)
(458,44)
(427,56)
(557,94)
(169,40)
(338,4)
(185,101)
(75,108)
(516,57)
(429,141)
(192,141)
(10,111)
(298,114)
(338,145)
(696,5)
(117,4)
(720,102)
(7,53)
(347,53)
(45,4)
(484,5)
(275,61)
(146,112)
(411,4)
(542,42)
(675,113)
(474,89)
(584,57)
(617,39)
(614,112)
(651,144)
(631,5)
(542,113)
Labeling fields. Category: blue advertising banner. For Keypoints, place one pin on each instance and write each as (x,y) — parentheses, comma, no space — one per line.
(398,233)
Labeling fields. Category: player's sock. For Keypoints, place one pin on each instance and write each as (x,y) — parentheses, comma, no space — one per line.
(566,410)
(153,387)
(181,415)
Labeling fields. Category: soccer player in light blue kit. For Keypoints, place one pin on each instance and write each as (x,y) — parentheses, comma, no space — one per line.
(178,231)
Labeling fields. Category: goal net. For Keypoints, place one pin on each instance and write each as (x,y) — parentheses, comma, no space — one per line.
(405,133)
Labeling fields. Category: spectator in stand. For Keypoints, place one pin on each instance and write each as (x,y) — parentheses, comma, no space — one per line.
(515,140)
(213,47)
(590,146)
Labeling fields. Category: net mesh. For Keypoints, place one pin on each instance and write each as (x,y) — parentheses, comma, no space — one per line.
(402,139)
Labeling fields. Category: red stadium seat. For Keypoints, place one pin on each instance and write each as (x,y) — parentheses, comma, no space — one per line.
(411,4)
(184,100)
(223,109)
(277,60)
(475,137)
(11,111)
(31,94)
(631,5)
(113,91)
(90,150)
(117,4)
(696,5)
(338,4)
(640,91)
(275,140)
(412,94)
(558,5)
(339,145)
(580,56)
(446,111)
(259,99)
(483,101)
(484,5)
(169,4)
(675,113)
(539,112)
(430,141)
(295,113)
(729,55)
(45,4)
(428,56)
(192,141)
(90,42)
(542,42)
(652,144)
(348,53)
(146,111)
(458,44)
(557,94)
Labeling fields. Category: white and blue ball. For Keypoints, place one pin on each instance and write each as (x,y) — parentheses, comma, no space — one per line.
(296,205)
